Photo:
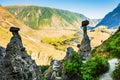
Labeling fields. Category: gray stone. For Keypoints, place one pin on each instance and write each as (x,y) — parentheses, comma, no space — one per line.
(2,53)
(17,64)
(118,29)
(85,23)
(14,29)
(69,53)
(85,47)
(54,73)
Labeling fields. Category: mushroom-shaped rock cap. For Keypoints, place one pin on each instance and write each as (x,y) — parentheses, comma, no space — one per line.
(85,23)
(119,28)
(14,29)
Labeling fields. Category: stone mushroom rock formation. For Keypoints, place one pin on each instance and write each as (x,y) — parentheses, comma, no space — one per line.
(17,64)
(69,53)
(85,47)
(56,67)
(118,28)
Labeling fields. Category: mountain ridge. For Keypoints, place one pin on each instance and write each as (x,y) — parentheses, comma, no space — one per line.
(30,37)
(40,17)
(112,19)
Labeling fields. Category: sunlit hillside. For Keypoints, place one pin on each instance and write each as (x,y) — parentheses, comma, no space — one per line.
(31,38)
(44,17)
(7,20)
(100,34)
(110,47)
(47,43)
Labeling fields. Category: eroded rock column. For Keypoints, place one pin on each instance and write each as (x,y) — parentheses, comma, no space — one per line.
(17,64)
(85,47)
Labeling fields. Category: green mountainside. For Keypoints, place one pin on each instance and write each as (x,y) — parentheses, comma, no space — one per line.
(110,48)
(41,17)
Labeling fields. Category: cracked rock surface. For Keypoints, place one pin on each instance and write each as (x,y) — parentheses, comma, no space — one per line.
(15,63)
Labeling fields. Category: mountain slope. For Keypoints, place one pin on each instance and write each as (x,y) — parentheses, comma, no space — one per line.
(112,19)
(41,17)
(110,48)
(6,21)
(96,20)
(40,52)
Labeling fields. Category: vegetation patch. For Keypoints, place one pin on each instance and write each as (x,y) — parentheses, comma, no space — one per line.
(91,70)
(94,67)
(110,48)
(116,72)
(73,68)
(58,43)
(39,17)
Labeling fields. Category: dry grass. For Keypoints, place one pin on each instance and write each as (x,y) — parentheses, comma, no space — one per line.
(41,52)
(98,36)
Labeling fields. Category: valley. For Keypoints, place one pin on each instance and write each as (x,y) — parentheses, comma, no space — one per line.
(56,44)
(32,38)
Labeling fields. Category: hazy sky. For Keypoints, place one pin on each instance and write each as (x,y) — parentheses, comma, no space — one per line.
(90,8)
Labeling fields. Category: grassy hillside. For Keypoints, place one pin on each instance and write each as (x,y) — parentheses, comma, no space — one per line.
(41,17)
(35,40)
(40,52)
(110,48)
(6,21)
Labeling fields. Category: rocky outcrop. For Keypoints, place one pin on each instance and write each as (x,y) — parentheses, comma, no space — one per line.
(16,64)
(84,47)
(2,53)
(55,71)
(69,53)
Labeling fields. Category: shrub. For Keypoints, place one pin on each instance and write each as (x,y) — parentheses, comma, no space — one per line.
(72,67)
(110,46)
(44,68)
(116,72)
(94,67)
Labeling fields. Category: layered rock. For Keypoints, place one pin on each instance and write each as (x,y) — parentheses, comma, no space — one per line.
(84,47)
(71,65)
(16,64)
(54,73)
(2,53)
(69,53)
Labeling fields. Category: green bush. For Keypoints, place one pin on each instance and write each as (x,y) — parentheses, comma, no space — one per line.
(44,68)
(72,67)
(110,46)
(116,72)
(94,67)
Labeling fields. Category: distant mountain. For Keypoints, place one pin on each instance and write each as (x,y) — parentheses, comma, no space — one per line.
(112,19)
(43,17)
(96,20)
